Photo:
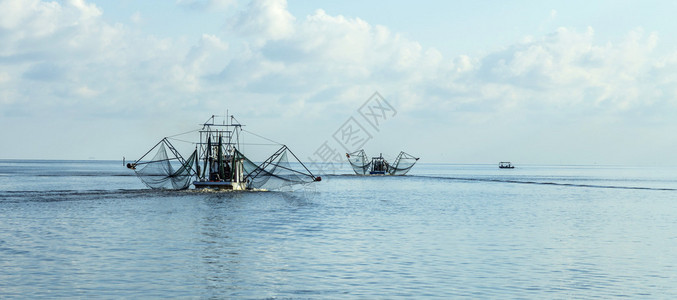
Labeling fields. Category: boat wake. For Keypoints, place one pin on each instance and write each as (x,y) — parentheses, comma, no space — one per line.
(581,185)
(505,180)
(115,194)
(75,195)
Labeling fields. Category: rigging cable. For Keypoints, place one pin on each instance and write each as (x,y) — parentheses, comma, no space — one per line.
(184,141)
(187,132)
(265,138)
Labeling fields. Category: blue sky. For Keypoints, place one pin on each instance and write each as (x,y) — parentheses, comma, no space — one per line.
(542,82)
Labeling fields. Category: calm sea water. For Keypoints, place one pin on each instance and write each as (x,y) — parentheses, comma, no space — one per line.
(91,229)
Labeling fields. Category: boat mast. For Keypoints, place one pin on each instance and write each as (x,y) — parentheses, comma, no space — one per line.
(207,155)
(220,158)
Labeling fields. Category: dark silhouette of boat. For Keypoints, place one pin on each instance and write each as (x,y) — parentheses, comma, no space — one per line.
(505,165)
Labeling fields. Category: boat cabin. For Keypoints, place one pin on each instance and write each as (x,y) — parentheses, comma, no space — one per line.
(379,166)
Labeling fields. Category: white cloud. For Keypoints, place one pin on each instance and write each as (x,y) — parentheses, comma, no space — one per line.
(87,10)
(321,67)
(332,53)
(267,18)
(60,53)
(209,56)
(136,17)
(283,57)
(569,70)
(86,92)
(206,4)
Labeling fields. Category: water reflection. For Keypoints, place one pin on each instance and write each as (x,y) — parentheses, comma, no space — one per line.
(244,237)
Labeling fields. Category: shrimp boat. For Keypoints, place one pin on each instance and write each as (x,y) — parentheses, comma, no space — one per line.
(379,165)
(218,163)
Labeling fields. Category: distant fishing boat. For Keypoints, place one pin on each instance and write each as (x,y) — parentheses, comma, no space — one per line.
(218,163)
(379,165)
(505,165)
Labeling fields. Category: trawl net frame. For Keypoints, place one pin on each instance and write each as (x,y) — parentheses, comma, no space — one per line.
(165,171)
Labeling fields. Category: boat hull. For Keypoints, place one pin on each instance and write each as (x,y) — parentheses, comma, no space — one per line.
(218,185)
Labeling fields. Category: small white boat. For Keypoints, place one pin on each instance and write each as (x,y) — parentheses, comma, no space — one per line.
(505,165)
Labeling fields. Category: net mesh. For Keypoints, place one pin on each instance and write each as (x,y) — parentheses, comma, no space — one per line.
(403,163)
(160,172)
(274,173)
(358,160)
(363,166)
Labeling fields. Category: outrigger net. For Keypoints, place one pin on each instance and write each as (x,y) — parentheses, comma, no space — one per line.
(164,171)
(403,163)
(358,160)
(275,172)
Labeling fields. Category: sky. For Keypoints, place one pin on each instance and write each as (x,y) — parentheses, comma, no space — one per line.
(533,82)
